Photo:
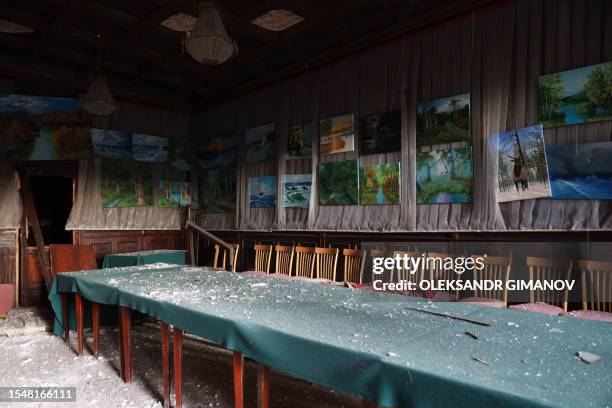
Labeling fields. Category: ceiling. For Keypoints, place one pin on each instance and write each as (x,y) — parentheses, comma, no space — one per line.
(144,61)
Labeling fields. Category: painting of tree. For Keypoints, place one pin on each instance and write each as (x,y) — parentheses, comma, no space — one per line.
(217,190)
(338,183)
(125,184)
(379,184)
(444,176)
(445,120)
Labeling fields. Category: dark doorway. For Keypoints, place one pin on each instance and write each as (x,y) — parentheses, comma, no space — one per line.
(53,200)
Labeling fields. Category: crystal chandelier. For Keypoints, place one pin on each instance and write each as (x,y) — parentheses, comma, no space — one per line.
(209,42)
(98,99)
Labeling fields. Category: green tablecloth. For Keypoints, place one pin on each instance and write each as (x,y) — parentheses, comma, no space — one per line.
(176,257)
(368,344)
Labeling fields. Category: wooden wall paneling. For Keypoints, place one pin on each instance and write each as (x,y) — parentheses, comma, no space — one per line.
(9,259)
(33,290)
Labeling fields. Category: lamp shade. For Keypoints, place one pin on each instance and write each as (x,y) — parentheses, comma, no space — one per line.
(98,99)
(209,42)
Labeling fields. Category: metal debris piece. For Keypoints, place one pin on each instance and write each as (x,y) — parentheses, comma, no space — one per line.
(472,335)
(480,360)
(587,357)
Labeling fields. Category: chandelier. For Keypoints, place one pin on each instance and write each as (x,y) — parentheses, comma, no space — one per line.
(98,99)
(209,42)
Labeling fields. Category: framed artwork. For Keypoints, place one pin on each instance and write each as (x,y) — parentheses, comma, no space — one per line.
(296,190)
(262,192)
(336,135)
(173,194)
(445,120)
(217,190)
(179,153)
(149,148)
(125,183)
(381,133)
(580,171)
(379,184)
(338,183)
(576,96)
(111,144)
(220,150)
(44,128)
(260,143)
(299,141)
(522,172)
(444,176)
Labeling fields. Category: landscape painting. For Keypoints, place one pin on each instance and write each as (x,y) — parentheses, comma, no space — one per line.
(173,194)
(379,184)
(126,184)
(338,183)
(179,153)
(381,133)
(260,143)
(444,176)
(575,96)
(580,171)
(296,190)
(337,135)
(299,141)
(218,150)
(111,144)
(521,162)
(217,190)
(43,128)
(149,148)
(445,120)
(262,192)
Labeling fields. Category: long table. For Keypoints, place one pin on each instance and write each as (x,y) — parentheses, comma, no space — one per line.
(369,344)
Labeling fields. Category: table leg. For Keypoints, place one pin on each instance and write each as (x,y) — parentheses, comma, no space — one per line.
(263,386)
(165,364)
(95,317)
(65,317)
(78,306)
(121,356)
(126,342)
(178,366)
(238,363)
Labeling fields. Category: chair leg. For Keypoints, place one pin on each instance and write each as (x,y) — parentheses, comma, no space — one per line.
(238,363)
(263,386)
(65,317)
(178,366)
(78,306)
(95,317)
(126,342)
(165,364)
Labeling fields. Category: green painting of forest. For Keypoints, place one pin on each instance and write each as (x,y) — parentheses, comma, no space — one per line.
(445,176)
(379,184)
(338,183)
(218,190)
(575,96)
(125,184)
(445,120)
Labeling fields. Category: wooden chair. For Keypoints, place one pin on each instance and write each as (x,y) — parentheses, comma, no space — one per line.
(263,256)
(353,262)
(436,272)
(549,302)
(495,268)
(596,279)
(405,275)
(284,259)
(327,263)
(223,264)
(304,261)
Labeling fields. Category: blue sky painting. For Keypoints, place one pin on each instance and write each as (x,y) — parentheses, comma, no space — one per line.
(149,148)
(111,144)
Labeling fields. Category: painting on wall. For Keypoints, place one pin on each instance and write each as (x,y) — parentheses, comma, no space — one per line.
(445,120)
(179,153)
(379,184)
(126,183)
(111,144)
(296,190)
(260,143)
(381,133)
(337,135)
(338,183)
(219,150)
(575,96)
(149,148)
(580,171)
(262,192)
(299,141)
(173,194)
(521,165)
(217,190)
(444,176)
(44,128)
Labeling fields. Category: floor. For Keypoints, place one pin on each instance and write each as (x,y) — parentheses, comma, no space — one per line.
(42,359)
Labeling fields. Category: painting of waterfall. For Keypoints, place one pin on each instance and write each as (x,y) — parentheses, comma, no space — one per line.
(260,143)
(296,190)
(337,135)
(522,173)
(444,120)
(111,144)
(149,148)
(262,192)
(580,171)
(379,184)
(445,176)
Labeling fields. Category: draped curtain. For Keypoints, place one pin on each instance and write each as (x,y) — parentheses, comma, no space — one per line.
(10,204)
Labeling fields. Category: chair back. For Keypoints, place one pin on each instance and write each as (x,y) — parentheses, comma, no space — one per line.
(435,268)
(327,263)
(72,258)
(263,256)
(304,261)
(403,274)
(216,259)
(495,268)
(223,263)
(596,285)
(284,259)
(353,261)
(549,269)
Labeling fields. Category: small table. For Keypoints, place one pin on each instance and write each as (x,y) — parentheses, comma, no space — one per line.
(176,257)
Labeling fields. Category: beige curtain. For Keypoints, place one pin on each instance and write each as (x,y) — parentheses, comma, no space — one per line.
(10,203)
